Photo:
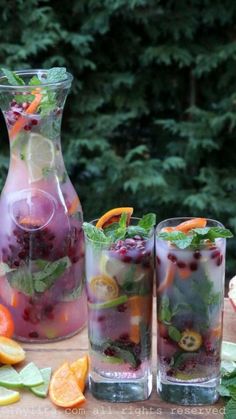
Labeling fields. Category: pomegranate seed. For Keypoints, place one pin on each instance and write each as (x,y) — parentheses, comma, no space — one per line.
(34,122)
(27,127)
(33,335)
(110,352)
(121,308)
(193,266)
(219,260)
(197,255)
(123,251)
(172,257)
(215,254)
(101,318)
(124,336)
(181,264)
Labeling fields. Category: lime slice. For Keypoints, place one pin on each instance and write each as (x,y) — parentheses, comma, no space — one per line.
(120,270)
(228,351)
(8,396)
(108,359)
(109,304)
(31,376)
(40,156)
(9,377)
(42,389)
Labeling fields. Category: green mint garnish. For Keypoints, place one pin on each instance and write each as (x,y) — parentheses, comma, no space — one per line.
(56,74)
(13,78)
(174,333)
(227,389)
(195,237)
(95,234)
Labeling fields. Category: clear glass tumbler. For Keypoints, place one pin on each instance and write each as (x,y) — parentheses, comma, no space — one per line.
(119,280)
(190,296)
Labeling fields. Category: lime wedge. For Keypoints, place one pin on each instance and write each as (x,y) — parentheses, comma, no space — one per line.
(40,156)
(109,304)
(8,396)
(9,377)
(31,376)
(228,351)
(42,389)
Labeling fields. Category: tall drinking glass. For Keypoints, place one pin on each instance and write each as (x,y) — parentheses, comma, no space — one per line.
(190,295)
(119,280)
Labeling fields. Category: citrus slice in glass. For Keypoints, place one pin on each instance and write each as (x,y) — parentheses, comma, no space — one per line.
(40,156)
(42,389)
(104,287)
(9,377)
(113,216)
(10,351)
(8,396)
(31,376)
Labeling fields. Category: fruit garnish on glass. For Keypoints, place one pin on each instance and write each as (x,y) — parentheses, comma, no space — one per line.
(119,281)
(190,265)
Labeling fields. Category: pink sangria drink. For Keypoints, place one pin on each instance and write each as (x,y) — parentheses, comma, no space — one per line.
(41,236)
(190,263)
(119,279)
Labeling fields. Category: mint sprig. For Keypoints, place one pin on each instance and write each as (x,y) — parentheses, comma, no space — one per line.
(195,237)
(227,390)
(12,77)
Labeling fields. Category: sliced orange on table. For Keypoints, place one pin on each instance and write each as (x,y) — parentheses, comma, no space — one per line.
(10,351)
(64,390)
(113,216)
(80,369)
(6,322)
(104,287)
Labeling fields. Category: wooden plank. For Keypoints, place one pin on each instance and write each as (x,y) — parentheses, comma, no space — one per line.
(53,354)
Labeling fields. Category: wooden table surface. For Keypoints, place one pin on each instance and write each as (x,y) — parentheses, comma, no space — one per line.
(53,354)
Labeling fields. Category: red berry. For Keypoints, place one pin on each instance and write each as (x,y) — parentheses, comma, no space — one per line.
(172,257)
(215,254)
(193,266)
(197,255)
(181,264)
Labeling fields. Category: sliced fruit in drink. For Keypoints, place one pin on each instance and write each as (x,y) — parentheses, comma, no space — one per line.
(40,156)
(10,351)
(113,216)
(6,322)
(9,377)
(31,376)
(190,340)
(80,370)
(41,390)
(232,292)
(9,295)
(8,396)
(109,304)
(104,287)
(64,390)
(188,225)
(169,277)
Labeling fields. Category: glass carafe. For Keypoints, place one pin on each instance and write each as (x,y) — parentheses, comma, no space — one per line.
(41,237)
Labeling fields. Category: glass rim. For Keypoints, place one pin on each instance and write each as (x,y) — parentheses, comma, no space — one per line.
(157,230)
(152,231)
(66,82)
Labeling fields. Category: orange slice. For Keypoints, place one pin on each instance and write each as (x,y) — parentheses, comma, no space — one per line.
(188,225)
(140,309)
(31,221)
(113,216)
(104,287)
(80,369)
(74,205)
(169,277)
(64,390)
(9,295)
(6,322)
(10,351)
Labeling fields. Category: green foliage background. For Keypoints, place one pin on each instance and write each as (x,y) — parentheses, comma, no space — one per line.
(151,121)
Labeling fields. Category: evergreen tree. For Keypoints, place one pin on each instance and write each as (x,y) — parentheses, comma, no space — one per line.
(151,121)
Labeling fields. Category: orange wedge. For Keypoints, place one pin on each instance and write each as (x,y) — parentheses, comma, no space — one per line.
(31,221)
(140,309)
(6,322)
(64,390)
(74,205)
(170,273)
(188,225)
(10,351)
(113,216)
(80,369)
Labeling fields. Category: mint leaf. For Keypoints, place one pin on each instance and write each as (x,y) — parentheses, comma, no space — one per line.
(180,239)
(34,81)
(230,409)
(223,391)
(147,222)
(21,279)
(95,234)
(23,98)
(165,314)
(56,74)
(136,231)
(174,333)
(44,279)
(123,220)
(13,78)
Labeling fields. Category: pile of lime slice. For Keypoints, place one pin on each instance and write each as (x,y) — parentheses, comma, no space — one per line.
(31,377)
